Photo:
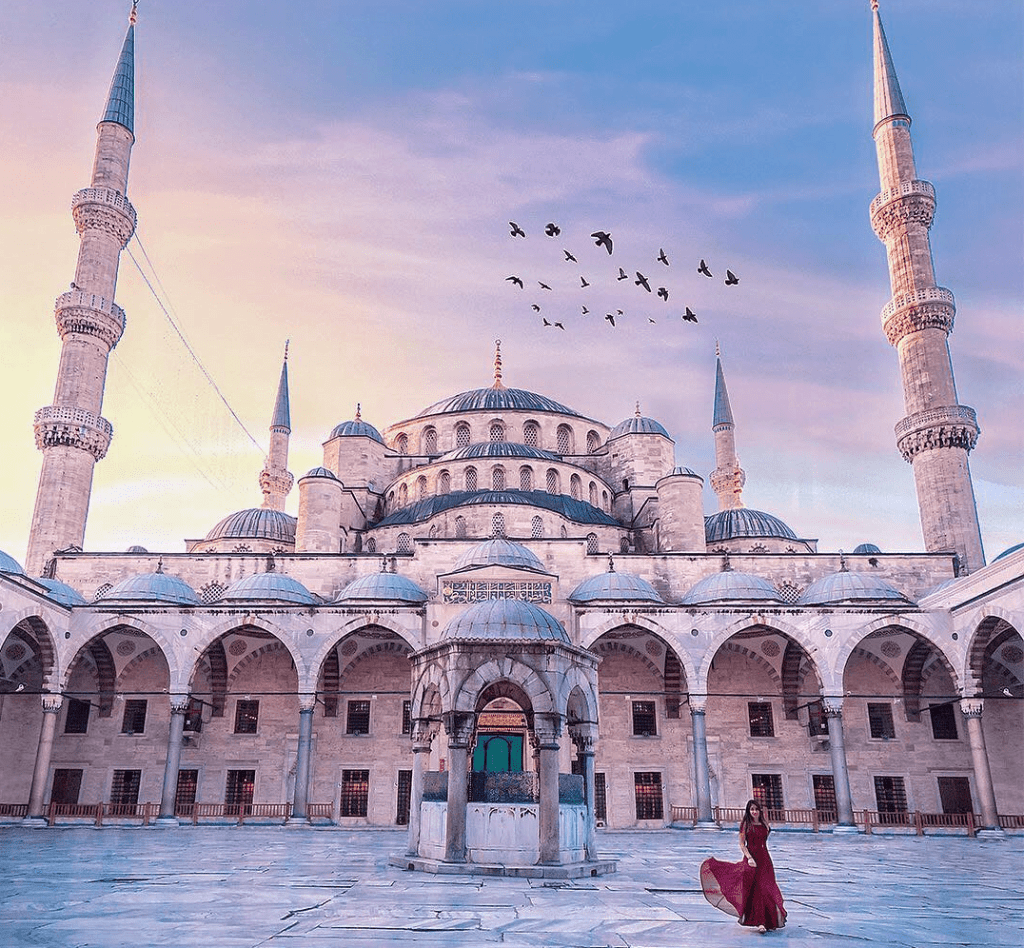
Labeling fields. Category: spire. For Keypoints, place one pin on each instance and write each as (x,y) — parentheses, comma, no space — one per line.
(497,364)
(888,98)
(282,411)
(723,410)
(728,478)
(121,98)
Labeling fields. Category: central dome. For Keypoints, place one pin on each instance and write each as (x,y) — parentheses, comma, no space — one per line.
(260,523)
(496,399)
(498,552)
(498,619)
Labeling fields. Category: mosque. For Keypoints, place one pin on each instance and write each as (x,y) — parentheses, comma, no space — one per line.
(502,598)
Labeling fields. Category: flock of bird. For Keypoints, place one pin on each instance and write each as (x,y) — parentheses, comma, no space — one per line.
(603,239)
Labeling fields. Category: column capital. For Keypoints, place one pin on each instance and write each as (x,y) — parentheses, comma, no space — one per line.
(52,703)
(833,705)
(179,703)
(307,703)
(971,707)
(698,703)
(548,729)
(423,733)
(459,726)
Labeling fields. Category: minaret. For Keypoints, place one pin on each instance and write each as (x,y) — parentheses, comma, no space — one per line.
(71,433)
(275,479)
(728,478)
(937,433)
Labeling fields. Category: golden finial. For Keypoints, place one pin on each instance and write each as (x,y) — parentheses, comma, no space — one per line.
(497,364)
(359,411)
(287,343)
(133,16)
(874,5)
(718,350)
(638,408)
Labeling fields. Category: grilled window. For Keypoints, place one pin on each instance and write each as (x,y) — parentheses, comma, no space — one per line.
(357,720)
(498,478)
(536,528)
(648,796)
(462,436)
(498,525)
(406,717)
(185,793)
(955,795)
(247,713)
(239,791)
(825,796)
(444,483)
(600,798)
(890,795)
(767,790)
(124,791)
(591,543)
(497,432)
(430,441)
(404,798)
(593,441)
(552,484)
(460,527)
(66,785)
(404,544)
(134,720)
(564,437)
(880,721)
(760,715)
(470,478)
(355,792)
(943,722)
(645,719)
(77,719)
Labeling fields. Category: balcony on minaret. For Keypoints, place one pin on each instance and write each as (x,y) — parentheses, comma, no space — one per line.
(912,201)
(90,314)
(105,209)
(57,426)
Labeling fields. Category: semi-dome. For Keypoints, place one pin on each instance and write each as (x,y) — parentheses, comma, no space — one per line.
(731,585)
(136,549)
(256,523)
(578,511)
(321,472)
(496,399)
(355,429)
(498,552)
(8,564)
(273,586)
(849,587)
(62,592)
(383,586)
(144,587)
(744,522)
(499,449)
(614,586)
(866,548)
(1009,550)
(638,424)
(502,619)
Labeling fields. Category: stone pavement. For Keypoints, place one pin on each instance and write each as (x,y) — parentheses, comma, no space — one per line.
(280,887)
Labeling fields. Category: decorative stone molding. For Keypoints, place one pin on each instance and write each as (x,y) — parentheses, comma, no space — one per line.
(276,482)
(52,703)
(106,210)
(932,307)
(698,703)
(90,315)
(833,706)
(460,726)
(972,707)
(548,728)
(307,703)
(179,704)
(911,203)
(73,427)
(951,426)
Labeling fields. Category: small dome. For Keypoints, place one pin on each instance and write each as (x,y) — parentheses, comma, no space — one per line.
(848,587)
(945,584)
(62,592)
(498,449)
(8,564)
(744,522)
(498,552)
(256,523)
(865,548)
(383,586)
(498,619)
(135,548)
(638,424)
(356,429)
(150,586)
(274,586)
(496,399)
(613,586)
(730,585)
(321,472)
(1009,550)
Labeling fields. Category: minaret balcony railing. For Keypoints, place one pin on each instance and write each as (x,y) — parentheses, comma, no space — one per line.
(105,196)
(948,426)
(89,314)
(908,188)
(104,209)
(927,294)
(931,307)
(60,426)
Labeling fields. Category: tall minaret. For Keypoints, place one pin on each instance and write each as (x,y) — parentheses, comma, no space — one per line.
(728,478)
(937,433)
(71,433)
(275,478)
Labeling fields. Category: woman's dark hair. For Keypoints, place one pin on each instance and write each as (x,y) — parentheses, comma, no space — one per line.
(748,819)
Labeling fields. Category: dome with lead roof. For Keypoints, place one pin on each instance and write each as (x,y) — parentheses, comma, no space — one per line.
(383,586)
(272,586)
(731,585)
(638,424)
(849,586)
(496,399)
(62,592)
(498,449)
(613,586)
(499,552)
(506,619)
(744,522)
(866,548)
(356,429)
(144,587)
(256,523)
(8,564)
(321,472)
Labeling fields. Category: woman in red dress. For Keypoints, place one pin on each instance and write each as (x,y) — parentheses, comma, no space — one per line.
(747,889)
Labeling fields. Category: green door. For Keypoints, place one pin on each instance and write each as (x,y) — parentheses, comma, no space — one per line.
(498,753)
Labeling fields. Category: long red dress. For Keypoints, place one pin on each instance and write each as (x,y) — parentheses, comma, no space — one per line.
(737,888)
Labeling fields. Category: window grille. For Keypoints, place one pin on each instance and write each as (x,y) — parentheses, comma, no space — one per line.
(404,798)
(185,793)
(760,715)
(526,478)
(943,722)
(593,494)
(211,592)
(536,528)
(645,719)
(239,791)
(575,487)
(421,488)
(371,544)
(955,795)
(355,792)
(552,481)
(767,790)
(470,478)
(880,721)
(404,543)
(102,591)
(77,719)
(649,804)
(891,799)
(497,432)
(134,720)
(124,791)
(402,444)
(67,784)
(824,796)
(593,441)
(498,525)
(247,713)
(531,434)
(460,527)
(357,720)
(591,543)
(564,436)
(194,716)
(462,436)
(430,441)
(407,717)
(600,798)
(444,483)
(498,478)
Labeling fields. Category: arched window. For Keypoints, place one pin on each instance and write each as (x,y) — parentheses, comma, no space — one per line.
(531,434)
(460,527)
(553,487)
(403,495)
(498,478)
(593,441)
(591,543)
(498,525)
(404,543)
(462,435)
(433,531)
(575,487)
(444,483)
(402,443)
(371,544)
(624,545)
(565,439)
(470,478)
(565,532)
(430,441)
(593,494)
(536,528)
(604,499)
(421,488)
(497,431)
(526,478)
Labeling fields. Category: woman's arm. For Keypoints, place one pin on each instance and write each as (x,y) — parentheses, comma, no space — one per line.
(743,848)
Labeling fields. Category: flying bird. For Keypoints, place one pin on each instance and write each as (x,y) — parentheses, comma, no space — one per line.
(546,323)
(569,257)
(690,316)
(663,293)
(585,310)
(536,308)
(516,280)
(703,268)
(516,231)
(603,239)
(730,278)
(583,282)
(661,257)
(552,230)
(651,320)
(622,275)
(560,326)
(641,280)
(543,286)
(610,318)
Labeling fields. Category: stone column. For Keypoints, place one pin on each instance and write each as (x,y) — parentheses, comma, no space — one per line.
(548,728)
(300,797)
(460,726)
(584,738)
(422,737)
(840,773)
(971,710)
(51,706)
(179,705)
(701,768)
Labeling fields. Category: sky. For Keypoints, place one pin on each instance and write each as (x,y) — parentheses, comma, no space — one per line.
(342,175)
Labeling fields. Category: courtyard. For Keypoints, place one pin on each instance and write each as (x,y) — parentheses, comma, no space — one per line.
(283,887)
